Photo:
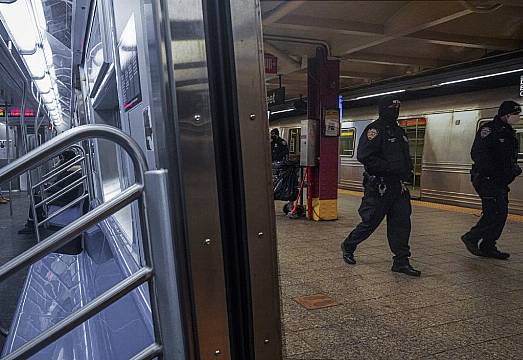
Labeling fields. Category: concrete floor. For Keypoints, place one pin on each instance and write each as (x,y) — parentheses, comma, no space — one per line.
(463,307)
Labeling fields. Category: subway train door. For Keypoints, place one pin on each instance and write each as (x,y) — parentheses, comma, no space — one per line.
(210,127)
(415,130)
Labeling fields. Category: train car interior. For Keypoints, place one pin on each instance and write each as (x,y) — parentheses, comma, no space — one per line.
(149,211)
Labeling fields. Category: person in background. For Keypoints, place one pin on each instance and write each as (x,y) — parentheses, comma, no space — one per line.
(495,156)
(3,199)
(279,148)
(383,149)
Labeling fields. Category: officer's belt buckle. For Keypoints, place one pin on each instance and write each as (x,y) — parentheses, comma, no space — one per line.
(382,188)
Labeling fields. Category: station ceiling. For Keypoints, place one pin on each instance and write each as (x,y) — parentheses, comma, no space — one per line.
(378,40)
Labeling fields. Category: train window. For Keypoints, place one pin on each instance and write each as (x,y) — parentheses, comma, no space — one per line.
(347,142)
(294,141)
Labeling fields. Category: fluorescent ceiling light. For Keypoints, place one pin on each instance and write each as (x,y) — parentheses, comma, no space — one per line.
(44,85)
(18,20)
(380,94)
(47,51)
(281,111)
(36,63)
(479,77)
(39,14)
(48,98)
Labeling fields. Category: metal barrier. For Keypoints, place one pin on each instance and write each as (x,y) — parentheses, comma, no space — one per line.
(42,190)
(71,231)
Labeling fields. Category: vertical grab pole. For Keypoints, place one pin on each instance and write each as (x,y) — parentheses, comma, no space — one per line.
(163,253)
(29,177)
(148,259)
(8,138)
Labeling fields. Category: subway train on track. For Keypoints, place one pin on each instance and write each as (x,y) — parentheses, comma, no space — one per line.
(440,131)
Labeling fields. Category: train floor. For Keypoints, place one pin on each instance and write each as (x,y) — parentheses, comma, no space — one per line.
(462,307)
(12,244)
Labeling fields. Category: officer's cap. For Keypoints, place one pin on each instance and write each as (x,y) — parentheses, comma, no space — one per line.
(509,107)
(387,101)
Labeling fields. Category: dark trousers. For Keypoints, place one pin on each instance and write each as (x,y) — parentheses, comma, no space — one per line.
(395,205)
(494,203)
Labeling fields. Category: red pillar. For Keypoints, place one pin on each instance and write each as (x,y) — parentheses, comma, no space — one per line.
(323,102)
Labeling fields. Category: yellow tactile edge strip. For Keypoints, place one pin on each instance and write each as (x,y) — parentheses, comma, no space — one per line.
(452,208)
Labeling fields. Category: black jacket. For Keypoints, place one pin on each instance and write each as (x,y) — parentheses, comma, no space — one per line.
(495,152)
(384,151)
(279,149)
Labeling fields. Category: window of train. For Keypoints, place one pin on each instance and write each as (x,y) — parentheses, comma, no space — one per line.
(347,142)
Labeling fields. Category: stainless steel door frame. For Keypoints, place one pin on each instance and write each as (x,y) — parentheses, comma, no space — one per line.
(259,207)
(186,141)
(180,112)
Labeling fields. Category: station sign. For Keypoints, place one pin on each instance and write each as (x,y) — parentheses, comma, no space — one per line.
(276,97)
(332,122)
(521,86)
(271,64)
(16,112)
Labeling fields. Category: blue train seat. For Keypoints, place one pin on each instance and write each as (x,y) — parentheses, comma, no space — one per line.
(59,284)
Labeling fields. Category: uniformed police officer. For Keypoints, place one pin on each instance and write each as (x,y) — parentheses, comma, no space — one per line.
(495,157)
(279,148)
(384,151)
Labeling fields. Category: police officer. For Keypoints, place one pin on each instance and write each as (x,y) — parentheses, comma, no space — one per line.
(279,148)
(384,151)
(495,156)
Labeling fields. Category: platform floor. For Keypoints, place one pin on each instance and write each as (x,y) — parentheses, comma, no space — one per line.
(463,307)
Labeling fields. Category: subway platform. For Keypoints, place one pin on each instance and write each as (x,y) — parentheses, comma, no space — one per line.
(463,307)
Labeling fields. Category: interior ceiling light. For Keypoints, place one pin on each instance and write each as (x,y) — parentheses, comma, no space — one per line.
(18,20)
(44,85)
(281,111)
(479,77)
(380,94)
(39,14)
(36,63)
(48,98)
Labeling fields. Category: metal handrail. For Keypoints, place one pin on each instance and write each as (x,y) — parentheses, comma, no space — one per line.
(49,217)
(62,168)
(62,180)
(63,191)
(71,231)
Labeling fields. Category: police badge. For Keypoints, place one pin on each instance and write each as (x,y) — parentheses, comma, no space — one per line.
(372,133)
(485,132)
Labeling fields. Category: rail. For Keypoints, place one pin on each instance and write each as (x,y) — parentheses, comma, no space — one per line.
(135,192)
(43,191)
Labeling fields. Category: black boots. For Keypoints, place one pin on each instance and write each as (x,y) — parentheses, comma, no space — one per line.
(492,252)
(348,255)
(471,245)
(406,269)
(495,254)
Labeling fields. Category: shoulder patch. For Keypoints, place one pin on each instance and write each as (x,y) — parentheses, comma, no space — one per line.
(372,133)
(486,131)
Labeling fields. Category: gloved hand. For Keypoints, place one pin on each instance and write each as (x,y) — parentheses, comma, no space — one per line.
(517,170)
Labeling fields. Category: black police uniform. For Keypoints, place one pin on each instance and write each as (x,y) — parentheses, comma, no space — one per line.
(279,149)
(495,155)
(384,151)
